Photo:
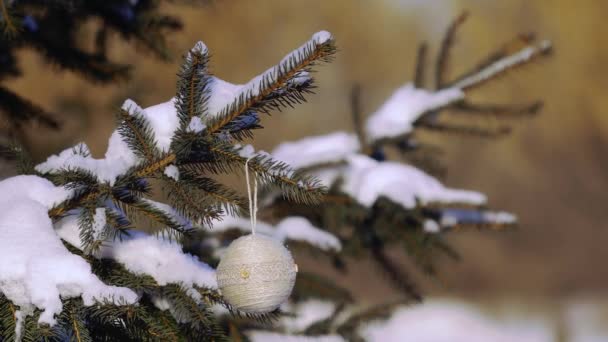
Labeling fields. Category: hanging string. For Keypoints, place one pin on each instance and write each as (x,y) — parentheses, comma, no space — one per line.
(253,200)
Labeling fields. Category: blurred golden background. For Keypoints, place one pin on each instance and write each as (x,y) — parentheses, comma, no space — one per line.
(552,171)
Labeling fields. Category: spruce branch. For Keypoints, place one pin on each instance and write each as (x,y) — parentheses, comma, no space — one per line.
(294,185)
(9,28)
(273,88)
(92,66)
(19,110)
(477,77)
(193,204)
(138,134)
(144,208)
(155,166)
(444,50)
(348,329)
(498,111)
(8,320)
(74,178)
(467,130)
(355,109)
(193,85)
(519,42)
(420,67)
(216,194)
(86,221)
(200,320)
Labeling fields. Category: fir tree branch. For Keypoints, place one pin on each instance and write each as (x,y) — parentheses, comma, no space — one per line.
(395,274)
(444,50)
(500,67)
(349,328)
(137,133)
(9,27)
(264,93)
(419,70)
(216,193)
(521,41)
(355,109)
(466,130)
(74,202)
(20,110)
(499,111)
(189,203)
(8,320)
(193,85)
(293,185)
(156,165)
(150,211)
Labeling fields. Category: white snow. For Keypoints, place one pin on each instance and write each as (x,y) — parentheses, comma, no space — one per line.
(300,229)
(35,188)
(267,336)
(199,47)
(448,221)
(321,37)
(300,78)
(243,224)
(499,217)
(367,179)
(290,228)
(163,260)
(585,321)
(196,125)
(223,93)
(156,256)
(453,216)
(431,226)
(36,270)
(443,321)
(172,171)
(318,150)
(246,151)
(99,222)
(397,115)
(306,314)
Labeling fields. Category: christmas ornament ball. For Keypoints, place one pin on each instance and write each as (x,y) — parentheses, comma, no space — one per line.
(256,274)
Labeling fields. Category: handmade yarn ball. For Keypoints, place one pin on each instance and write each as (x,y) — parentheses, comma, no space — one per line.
(256,274)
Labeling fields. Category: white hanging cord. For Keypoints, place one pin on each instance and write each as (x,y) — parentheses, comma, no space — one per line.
(253,200)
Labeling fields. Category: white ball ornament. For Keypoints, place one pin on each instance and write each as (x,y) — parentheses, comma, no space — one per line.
(256,274)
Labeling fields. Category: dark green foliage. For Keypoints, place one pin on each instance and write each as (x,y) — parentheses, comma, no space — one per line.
(53,30)
(136,131)
(194,197)
(193,85)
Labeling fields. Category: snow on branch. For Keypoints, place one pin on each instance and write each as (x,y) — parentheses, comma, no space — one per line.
(521,57)
(397,115)
(306,313)
(221,98)
(292,228)
(267,336)
(450,217)
(449,321)
(260,93)
(143,254)
(367,179)
(36,269)
(317,150)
